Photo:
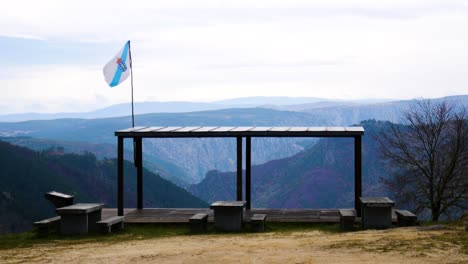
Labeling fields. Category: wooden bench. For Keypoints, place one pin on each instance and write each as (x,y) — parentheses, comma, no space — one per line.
(111,223)
(347,217)
(198,223)
(406,218)
(258,222)
(47,226)
(59,199)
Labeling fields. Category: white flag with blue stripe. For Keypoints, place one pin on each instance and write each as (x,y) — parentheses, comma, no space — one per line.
(118,69)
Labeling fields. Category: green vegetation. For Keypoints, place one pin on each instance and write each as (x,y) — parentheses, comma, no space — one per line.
(147,231)
(26,175)
(301,227)
(130,232)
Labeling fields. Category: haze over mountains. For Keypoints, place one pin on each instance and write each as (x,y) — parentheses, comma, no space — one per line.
(181,107)
(182,157)
(184,153)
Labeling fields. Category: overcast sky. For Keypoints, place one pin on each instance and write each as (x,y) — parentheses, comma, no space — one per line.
(52,52)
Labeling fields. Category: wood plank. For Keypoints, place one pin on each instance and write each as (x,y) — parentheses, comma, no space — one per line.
(354,129)
(150,129)
(298,129)
(241,129)
(132,129)
(317,129)
(260,129)
(205,129)
(169,129)
(222,129)
(279,129)
(188,129)
(336,129)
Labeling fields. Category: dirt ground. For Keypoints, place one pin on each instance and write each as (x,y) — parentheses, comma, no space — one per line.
(400,245)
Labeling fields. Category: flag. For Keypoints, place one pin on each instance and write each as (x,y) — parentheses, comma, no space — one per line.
(118,69)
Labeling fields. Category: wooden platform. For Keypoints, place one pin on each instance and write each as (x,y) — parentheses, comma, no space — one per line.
(178,215)
(181,215)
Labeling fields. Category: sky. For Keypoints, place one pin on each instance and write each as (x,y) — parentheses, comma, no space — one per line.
(53,51)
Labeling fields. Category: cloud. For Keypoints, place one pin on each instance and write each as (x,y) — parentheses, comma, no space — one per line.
(203,50)
(103,21)
(59,87)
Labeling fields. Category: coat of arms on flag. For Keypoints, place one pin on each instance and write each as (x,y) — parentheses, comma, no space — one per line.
(116,70)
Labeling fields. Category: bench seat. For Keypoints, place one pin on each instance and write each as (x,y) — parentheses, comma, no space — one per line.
(258,222)
(49,225)
(347,217)
(406,218)
(108,224)
(198,223)
(59,199)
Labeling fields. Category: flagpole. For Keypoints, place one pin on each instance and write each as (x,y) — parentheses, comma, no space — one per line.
(135,152)
(131,80)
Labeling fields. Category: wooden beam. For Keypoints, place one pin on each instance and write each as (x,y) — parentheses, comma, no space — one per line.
(357,174)
(248,171)
(175,132)
(239,168)
(120,176)
(139,165)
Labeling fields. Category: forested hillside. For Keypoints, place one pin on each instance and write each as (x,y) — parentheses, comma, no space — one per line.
(26,175)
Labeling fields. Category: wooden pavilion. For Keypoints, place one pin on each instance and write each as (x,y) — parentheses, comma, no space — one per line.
(138,133)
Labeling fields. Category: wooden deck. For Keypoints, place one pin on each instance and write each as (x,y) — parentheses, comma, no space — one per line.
(179,215)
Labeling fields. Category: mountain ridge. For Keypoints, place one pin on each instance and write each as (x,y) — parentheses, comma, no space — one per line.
(319,177)
(217,154)
(124,109)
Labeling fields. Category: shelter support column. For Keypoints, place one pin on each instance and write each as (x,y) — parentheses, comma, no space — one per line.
(248,171)
(138,152)
(120,176)
(239,168)
(357,173)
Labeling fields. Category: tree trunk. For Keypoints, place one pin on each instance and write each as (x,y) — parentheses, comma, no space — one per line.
(435,213)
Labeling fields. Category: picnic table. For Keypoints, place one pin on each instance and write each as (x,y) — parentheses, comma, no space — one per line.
(228,215)
(376,212)
(79,218)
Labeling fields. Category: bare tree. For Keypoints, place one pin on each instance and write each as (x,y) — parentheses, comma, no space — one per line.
(430,154)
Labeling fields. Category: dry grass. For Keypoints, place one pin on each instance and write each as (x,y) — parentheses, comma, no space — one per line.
(291,244)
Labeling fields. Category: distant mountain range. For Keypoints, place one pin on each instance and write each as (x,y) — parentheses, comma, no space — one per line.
(181,107)
(194,156)
(319,177)
(187,161)
(26,175)
(346,113)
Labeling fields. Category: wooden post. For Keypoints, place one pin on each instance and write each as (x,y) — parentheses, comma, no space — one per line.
(120,176)
(139,165)
(248,170)
(357,173)
(239,168)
